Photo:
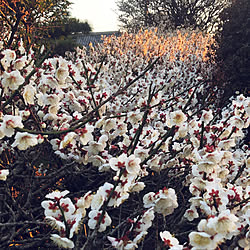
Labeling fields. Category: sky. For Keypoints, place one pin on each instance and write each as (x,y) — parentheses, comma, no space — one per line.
(100,14)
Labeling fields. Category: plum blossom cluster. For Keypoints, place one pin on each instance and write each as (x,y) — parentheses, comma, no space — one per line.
(136,232)
(64,216)
(150,43)
(170,241)
(128,173)
(163,202)
(134,124)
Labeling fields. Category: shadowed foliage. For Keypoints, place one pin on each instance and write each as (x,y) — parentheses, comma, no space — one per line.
(234,47)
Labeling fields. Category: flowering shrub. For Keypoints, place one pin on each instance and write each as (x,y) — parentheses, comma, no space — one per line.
(114,148)
(149,43)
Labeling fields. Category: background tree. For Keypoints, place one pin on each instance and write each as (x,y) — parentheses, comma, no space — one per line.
(69,26)
(233,52)
(202,14)
(30,19)
(62,35)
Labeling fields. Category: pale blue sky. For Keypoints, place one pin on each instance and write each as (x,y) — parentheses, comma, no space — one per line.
(99,13)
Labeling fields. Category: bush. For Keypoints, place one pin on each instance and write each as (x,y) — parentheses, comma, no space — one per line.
(62,36)
(63,45)
(124,147)
(69,26)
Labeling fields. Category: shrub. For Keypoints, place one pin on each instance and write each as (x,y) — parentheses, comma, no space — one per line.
(120,148)
(63,45)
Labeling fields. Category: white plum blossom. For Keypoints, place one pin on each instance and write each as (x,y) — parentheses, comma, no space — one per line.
(101,195)
(85,134)
(109,124)
(25,114)
(9,56)
(215,156)
(177,118)
(24,140)
(12,80)
(207,116)
(191,213)
(148,199)
(137,187)
(95,147)
(146,220)
(207,166)
(61,74)
(141,153)
(94,216)
(47,82)
(121,245)
(20,63)
(131,163)
(50,99)
(226,144)
(3,174)
(201,240)
(54,223)
(57,194)
(74,222)
(224,223)
(83,203)
(163,202)
(98,161)
(67,140)
(29,94)
(62,242)
(134,117)
(11,122)
(166,201)
(170,241)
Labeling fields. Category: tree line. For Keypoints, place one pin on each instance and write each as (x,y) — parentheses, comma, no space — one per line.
(37,22)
